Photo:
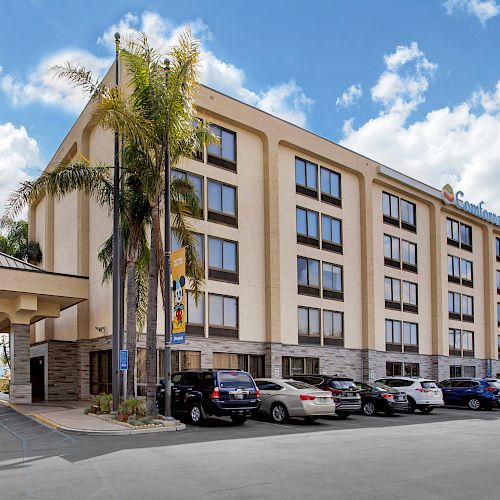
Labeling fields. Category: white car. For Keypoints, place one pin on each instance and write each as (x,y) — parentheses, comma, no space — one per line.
(422,393)
(284,398)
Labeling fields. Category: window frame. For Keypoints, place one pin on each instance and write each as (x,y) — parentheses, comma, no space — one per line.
(391,303)
(389,218)
(468,317)
(217,159)
(223,330)
(410,346)
(305,239)
(453,313)
(390,344)
(409,306)
(306,189)
(222,217)
(406,224)
(332,293)
(308,289)
(309,338)
(391,261)
(195,328)
(222,274)
(328,197)
(331,245)
(332,339)
(409,266)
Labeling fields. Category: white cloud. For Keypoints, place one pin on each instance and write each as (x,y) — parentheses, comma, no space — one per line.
(353,93)
(458,145)
(18,153)
(41,86)
(484,10)
(285,99)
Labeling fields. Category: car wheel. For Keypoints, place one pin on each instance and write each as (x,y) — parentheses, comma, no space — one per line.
(238,419)
(426,409)
(279,413)
(196,414)
(342,415)
(411,405)
(368,409)
(474,404)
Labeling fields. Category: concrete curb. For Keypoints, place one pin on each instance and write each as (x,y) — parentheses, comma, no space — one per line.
(125,432)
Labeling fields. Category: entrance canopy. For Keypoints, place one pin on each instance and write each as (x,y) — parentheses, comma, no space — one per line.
(29,294)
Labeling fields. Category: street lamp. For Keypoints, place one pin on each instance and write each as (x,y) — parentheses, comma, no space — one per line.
(167,309)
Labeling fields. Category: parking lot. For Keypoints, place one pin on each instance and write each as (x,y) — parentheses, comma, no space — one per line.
(451,453)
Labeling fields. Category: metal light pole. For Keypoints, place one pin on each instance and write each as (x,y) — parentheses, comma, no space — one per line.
(115,363)
(167,309)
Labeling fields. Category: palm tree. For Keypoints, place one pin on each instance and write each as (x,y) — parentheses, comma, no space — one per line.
(156,115)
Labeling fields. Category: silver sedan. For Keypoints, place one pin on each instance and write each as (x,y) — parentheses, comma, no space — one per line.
(284,398)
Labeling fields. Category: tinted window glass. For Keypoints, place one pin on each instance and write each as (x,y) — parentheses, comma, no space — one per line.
(429,384)
(189,378)
(235,379)
(299,385)
(176,378)
(342,384)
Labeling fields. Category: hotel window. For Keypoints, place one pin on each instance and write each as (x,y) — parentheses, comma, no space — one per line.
(222,315)
(455,371)
(222,204)
(223,154)
(181,360)
(393,369)
(308,276)
(333,281)
(455,342)
(409,256)
(453,232)
(497,240)
(410,297)
(392,293)
(454,305)
(391,251)
(465,237)
(307,227)
(195,180)
(195,323)
(331,233)
(410,337)
(498,281)
(330,187)
(468,308)
(309,324)
(390,209)
(200,246)
(306,177)
(469,371)
(412,369)
(222,260)
(393,335)
(453,269)
(297,366)
(468,343)
(333,328)
(466,272)
(408,216)
(252,363)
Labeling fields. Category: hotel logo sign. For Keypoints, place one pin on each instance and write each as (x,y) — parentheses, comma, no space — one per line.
(451,198)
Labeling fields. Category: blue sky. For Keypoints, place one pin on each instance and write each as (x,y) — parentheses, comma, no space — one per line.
(411,84)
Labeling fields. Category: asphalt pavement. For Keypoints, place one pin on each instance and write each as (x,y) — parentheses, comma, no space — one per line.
(451,453)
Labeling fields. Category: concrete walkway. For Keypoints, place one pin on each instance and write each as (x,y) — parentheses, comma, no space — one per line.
(70,416)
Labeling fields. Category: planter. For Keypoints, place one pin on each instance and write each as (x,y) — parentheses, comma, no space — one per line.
(122,417)
(94,409)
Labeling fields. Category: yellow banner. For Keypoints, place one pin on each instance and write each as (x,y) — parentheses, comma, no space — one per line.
(179,290)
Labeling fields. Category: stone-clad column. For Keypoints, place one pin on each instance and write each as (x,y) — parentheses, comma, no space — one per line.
(20,386)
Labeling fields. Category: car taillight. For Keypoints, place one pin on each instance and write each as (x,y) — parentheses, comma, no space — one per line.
(491,389)
(257,393)
(306,397)
(387,396)
(419,389)
(215,393)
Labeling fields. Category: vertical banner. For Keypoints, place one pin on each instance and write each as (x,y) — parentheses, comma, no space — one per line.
(179,310)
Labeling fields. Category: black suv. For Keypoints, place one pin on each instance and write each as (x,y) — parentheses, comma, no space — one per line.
(344,390)
(203,393)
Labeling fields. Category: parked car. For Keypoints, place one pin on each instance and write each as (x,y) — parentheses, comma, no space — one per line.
(377,398)
(221,393)
(345,393)
(422,393)
(476,393)
(284,398)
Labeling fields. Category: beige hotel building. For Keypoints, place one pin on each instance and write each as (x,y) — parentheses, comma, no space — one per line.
(317,259)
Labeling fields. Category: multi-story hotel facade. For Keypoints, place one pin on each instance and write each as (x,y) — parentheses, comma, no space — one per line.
(317,259)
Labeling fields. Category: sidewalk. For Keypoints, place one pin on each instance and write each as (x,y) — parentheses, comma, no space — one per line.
(69,416)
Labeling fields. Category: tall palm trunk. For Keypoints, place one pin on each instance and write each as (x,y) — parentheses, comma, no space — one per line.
(152,320)
(131,327)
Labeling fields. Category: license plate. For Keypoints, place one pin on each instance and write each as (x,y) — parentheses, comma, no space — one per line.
(238,396)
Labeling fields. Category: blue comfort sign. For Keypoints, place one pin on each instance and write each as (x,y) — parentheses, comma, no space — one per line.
(124,359)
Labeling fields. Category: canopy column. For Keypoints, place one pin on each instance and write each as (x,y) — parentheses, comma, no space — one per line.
(20,386)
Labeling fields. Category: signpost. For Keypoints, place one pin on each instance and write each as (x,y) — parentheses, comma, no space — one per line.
(179,310)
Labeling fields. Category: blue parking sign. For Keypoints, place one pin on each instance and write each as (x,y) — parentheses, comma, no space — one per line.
(123,360)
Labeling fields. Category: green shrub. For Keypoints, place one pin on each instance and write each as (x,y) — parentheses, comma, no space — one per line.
(146,420)
(5,386)
(104,401)
(135,407)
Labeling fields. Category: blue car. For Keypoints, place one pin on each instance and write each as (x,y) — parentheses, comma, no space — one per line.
(476,393)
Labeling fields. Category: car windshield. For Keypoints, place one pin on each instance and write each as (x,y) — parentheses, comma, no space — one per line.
(235,379)
(343,384)
(382,387)
(429,384)
(300,385)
